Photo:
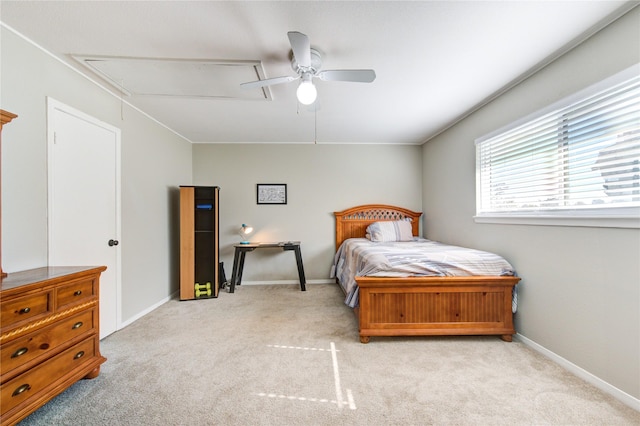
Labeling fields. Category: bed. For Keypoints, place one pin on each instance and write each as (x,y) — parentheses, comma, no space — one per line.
(395,305)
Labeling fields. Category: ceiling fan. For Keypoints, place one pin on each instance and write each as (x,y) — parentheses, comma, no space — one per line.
(307,63)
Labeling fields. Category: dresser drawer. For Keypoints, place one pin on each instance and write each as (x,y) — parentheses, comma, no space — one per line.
(22,350)
(23,308)
(36,380)
(76,292)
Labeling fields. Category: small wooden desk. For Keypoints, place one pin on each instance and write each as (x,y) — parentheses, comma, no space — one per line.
(242,249)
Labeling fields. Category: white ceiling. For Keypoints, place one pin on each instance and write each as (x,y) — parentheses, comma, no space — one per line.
(435,61)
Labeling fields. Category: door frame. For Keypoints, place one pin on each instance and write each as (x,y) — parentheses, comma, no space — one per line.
(52,105)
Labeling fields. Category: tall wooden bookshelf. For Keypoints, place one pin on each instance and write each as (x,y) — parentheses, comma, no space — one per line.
(199,242)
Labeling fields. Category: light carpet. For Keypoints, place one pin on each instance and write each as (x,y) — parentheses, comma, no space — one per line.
(273,355)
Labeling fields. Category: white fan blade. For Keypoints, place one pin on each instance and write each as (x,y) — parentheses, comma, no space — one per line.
(267,82)
(301,48)
(357,76)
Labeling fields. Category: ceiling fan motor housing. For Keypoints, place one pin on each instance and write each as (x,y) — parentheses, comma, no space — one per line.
(314,68)
(308,67)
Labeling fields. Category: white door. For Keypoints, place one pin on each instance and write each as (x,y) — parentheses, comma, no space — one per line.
(84,200)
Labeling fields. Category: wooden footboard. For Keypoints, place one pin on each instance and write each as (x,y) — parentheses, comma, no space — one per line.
(423,306)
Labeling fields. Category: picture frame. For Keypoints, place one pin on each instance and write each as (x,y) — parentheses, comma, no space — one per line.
(271,193)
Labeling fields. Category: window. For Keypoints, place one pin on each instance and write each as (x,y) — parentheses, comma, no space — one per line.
(578,159)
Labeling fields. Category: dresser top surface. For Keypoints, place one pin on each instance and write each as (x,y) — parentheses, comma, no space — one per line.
(32,276)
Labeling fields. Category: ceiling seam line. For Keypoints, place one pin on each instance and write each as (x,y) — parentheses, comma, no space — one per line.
(101,86)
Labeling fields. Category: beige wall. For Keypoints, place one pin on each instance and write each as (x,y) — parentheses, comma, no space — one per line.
(320,179)
(580,291)
(154,162)
(580,295)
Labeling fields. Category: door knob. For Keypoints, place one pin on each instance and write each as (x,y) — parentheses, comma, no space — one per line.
(113,243)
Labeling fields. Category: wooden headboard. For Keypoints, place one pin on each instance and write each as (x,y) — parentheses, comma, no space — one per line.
(353,222)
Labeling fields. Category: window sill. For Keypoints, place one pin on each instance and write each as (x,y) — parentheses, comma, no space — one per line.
(541,220)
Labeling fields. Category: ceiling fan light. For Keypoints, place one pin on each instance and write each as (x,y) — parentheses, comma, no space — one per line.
(306,93)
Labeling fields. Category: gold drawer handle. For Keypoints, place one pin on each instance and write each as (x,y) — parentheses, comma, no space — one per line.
(24,310)
(21,389)
(79,355)
(77,325)
(19,352)
(77,293)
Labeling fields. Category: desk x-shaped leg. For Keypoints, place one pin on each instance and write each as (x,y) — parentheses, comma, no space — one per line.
(296,249)
(241,251)
(238,266)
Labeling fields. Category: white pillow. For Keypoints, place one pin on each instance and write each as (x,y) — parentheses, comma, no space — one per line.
(398,230)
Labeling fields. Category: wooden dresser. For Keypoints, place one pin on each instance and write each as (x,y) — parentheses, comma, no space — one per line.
(49,335)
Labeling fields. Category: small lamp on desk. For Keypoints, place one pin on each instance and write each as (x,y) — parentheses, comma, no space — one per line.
(244,232)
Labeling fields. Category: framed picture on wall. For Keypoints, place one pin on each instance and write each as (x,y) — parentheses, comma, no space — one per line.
(272,193)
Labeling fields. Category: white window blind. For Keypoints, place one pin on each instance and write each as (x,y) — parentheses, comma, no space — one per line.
(583,156)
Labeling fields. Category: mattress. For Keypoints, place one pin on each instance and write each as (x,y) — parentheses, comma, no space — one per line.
(420,257)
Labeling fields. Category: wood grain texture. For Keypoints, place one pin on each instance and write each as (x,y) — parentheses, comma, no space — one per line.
(353,222)
(49,335)
(423,306)
(187,242)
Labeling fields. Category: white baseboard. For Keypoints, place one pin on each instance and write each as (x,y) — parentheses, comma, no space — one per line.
(296,282)
(146,311)
(583,374)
